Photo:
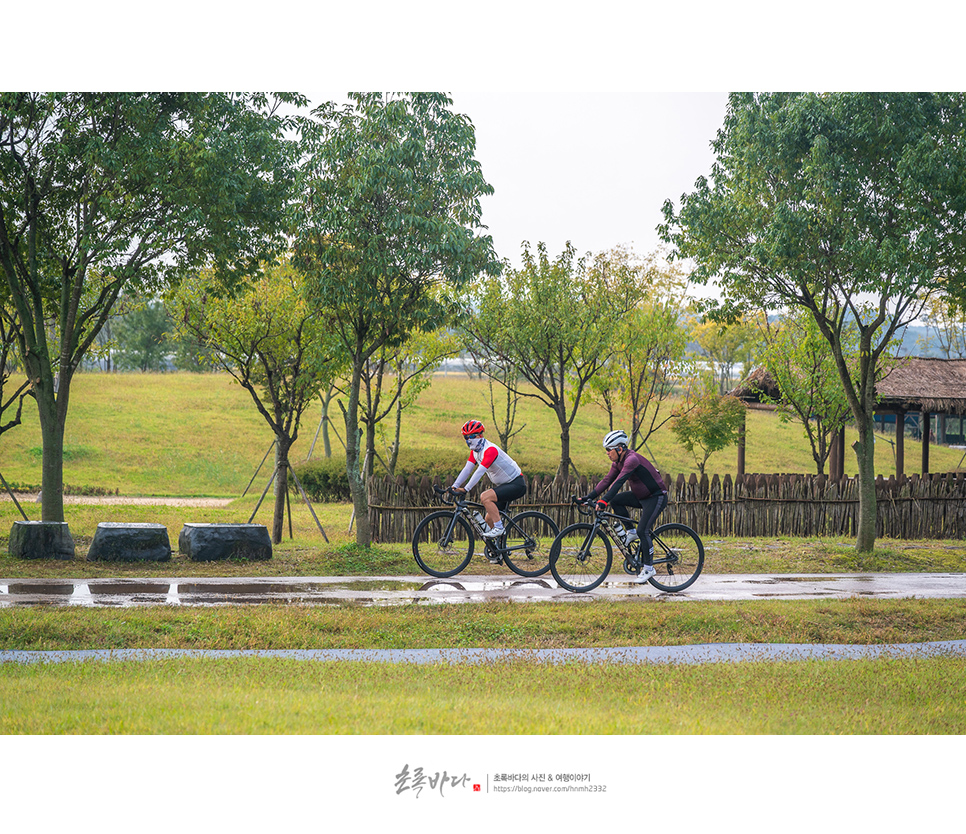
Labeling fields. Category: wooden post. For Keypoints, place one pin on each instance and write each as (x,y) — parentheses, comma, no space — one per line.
(925,441)
(900,442)
(836,467)
(833,455)
(741,443)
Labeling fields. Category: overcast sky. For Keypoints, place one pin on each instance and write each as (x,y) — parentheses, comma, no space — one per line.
(592,168)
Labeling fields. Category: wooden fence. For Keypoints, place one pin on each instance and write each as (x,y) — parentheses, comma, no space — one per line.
(913,507)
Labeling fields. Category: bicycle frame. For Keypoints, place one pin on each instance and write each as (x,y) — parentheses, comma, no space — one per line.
(607,521)
(464,507)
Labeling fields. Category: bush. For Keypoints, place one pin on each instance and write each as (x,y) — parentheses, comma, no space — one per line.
(325,479)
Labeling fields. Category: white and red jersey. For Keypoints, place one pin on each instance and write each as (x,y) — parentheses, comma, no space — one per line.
(499,467)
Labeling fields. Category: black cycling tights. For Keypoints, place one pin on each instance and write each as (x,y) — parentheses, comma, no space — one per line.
(650,509)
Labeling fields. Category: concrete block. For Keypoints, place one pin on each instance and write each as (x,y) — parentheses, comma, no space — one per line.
(216,542)
(116,541)
(41,540)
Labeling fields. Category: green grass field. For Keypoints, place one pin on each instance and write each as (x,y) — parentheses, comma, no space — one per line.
(279,696)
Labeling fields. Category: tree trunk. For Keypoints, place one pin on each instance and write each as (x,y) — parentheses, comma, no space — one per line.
(52,468)
(326,443)
(357,484)
(369,461)
(394,457)
(865,456)
(564,469)
(282,446)
(52,411)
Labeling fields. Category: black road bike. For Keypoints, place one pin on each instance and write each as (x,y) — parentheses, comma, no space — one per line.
(581,556)
(443,542)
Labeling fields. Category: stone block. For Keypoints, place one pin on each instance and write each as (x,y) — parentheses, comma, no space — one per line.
(41,540)
(116,541)
(216,542)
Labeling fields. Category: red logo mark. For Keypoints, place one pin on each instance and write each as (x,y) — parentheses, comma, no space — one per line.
(476,787)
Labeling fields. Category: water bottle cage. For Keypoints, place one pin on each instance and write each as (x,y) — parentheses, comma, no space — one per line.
(619,539)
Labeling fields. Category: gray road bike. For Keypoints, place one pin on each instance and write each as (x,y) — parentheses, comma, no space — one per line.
(443,541)
(581,556)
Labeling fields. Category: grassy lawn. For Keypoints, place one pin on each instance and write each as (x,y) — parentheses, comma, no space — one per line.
(269,696)
(545,625)
(279,696)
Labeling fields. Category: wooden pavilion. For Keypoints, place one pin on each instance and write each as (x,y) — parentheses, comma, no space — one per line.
(915,386)
(927,388)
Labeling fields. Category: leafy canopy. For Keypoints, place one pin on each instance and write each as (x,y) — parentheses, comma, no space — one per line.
(392,209)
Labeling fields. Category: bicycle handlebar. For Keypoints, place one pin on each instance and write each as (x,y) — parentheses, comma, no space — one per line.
(456,498)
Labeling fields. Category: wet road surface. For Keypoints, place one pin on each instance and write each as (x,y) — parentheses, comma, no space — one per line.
(421,590)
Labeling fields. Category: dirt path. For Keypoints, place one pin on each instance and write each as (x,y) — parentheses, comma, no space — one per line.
(126,500)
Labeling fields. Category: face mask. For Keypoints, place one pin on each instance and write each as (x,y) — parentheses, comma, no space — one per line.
(475,443)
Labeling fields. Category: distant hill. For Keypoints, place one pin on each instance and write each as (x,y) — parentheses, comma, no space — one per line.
(912,343)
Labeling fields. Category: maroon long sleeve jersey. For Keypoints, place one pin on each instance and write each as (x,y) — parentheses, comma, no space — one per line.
(637,472)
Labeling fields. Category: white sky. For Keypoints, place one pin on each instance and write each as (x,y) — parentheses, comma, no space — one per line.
(592,168)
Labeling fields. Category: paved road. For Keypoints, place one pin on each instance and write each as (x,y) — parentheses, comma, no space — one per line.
(702,653)
(401,590)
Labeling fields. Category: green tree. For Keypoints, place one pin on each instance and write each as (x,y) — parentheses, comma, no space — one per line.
(391,216)
(193,356)
(400,376)
(800,361)
(104,192)
(502,400)
(850,205)
(273,344)
(725,345)
(649,344)
(141,337)
(554,323)
(708,424)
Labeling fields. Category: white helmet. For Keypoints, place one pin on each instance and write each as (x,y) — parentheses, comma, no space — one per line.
(613,439)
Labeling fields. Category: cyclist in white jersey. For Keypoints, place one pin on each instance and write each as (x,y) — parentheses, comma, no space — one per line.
(502,471)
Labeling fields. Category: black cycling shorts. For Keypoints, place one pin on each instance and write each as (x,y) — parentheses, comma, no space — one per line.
(505,493)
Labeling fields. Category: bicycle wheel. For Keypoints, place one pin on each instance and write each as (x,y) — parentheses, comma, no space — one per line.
(580,558)
(527,542)
(678,557)
(443,544)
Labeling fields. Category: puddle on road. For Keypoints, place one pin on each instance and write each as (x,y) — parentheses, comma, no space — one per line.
(208,593)
(43,588)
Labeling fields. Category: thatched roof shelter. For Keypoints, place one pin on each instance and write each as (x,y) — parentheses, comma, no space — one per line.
(936,386)
(755,387)
(914,384)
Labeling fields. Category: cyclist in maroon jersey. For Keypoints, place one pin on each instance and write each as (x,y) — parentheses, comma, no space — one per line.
(502,471)
(646,490)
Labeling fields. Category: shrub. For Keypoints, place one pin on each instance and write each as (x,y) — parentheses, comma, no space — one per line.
(325,479)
